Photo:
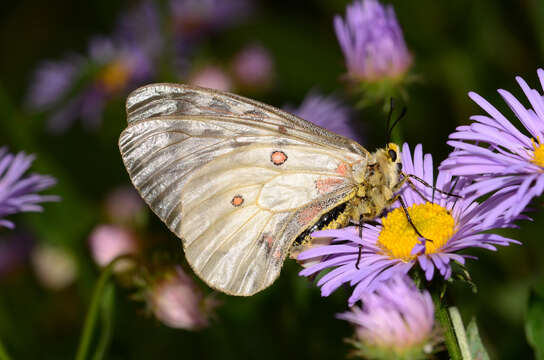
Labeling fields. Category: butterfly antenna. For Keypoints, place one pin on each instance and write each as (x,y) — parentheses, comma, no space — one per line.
(387,132)
(390,130)
(360,246)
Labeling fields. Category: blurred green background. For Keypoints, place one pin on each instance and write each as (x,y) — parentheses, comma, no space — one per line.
(457,46)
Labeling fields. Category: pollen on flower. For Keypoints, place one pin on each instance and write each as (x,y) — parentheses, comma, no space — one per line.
(538,153)
(398,237)
(114,76)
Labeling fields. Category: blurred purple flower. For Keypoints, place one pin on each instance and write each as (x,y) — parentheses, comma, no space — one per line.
(18,193)
(253,67)
(329,113)
(122,68)
(395,320)
(81,87)
(52,81)
(453,224)
(110,241)
(212,77)
(177,301)
(140,27)
(497,156)
(372,41)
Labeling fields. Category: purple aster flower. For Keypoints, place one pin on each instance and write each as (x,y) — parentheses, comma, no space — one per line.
(113,67)
(395,321)
(329,113)
(18,193)
(451,223)
(122,67)
(497,156)
(52,81)
(140,27)
(372,41)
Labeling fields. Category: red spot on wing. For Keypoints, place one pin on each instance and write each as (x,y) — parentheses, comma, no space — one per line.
(327,185)
(237,200)
(268,240)
(308,214)
(341,169)
(278,158)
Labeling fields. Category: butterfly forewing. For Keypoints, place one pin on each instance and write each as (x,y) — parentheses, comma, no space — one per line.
(236,188)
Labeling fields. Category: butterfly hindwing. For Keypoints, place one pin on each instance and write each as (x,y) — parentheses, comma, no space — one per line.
(235,189)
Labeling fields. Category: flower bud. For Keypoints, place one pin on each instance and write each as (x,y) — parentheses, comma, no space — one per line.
(395,322)
(110,241)
(177,302)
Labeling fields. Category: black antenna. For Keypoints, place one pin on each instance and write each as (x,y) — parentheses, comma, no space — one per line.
(387,132)
(390,130)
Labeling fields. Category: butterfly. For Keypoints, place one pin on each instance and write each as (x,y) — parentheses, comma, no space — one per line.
(240,182)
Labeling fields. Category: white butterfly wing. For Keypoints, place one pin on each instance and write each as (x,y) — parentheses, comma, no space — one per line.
(236,188)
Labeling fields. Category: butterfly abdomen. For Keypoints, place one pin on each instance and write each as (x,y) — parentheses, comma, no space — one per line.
(334,219)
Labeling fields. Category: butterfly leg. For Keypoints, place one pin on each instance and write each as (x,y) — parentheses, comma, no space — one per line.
(403,204)
(428,185)
(413,187)
(360,246)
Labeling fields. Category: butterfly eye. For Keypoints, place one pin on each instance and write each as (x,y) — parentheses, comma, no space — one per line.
(393,155)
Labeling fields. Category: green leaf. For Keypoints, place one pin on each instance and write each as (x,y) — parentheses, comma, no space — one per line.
(475,344)
(460,334)
(534,324)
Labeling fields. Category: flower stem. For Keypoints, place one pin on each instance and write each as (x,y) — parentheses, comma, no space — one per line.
(443,317)
(94,307)
(106,333)
(3,353)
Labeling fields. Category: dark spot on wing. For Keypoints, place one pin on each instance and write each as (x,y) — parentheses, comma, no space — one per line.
(213,133)
(255,113)
(218,104)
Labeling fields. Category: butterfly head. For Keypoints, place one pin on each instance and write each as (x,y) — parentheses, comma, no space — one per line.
(383,168)
(391,164)
(393,153)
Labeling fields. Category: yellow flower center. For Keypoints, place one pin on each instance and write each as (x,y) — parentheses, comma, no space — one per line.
(114,76)
(398,237)
(538,153)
